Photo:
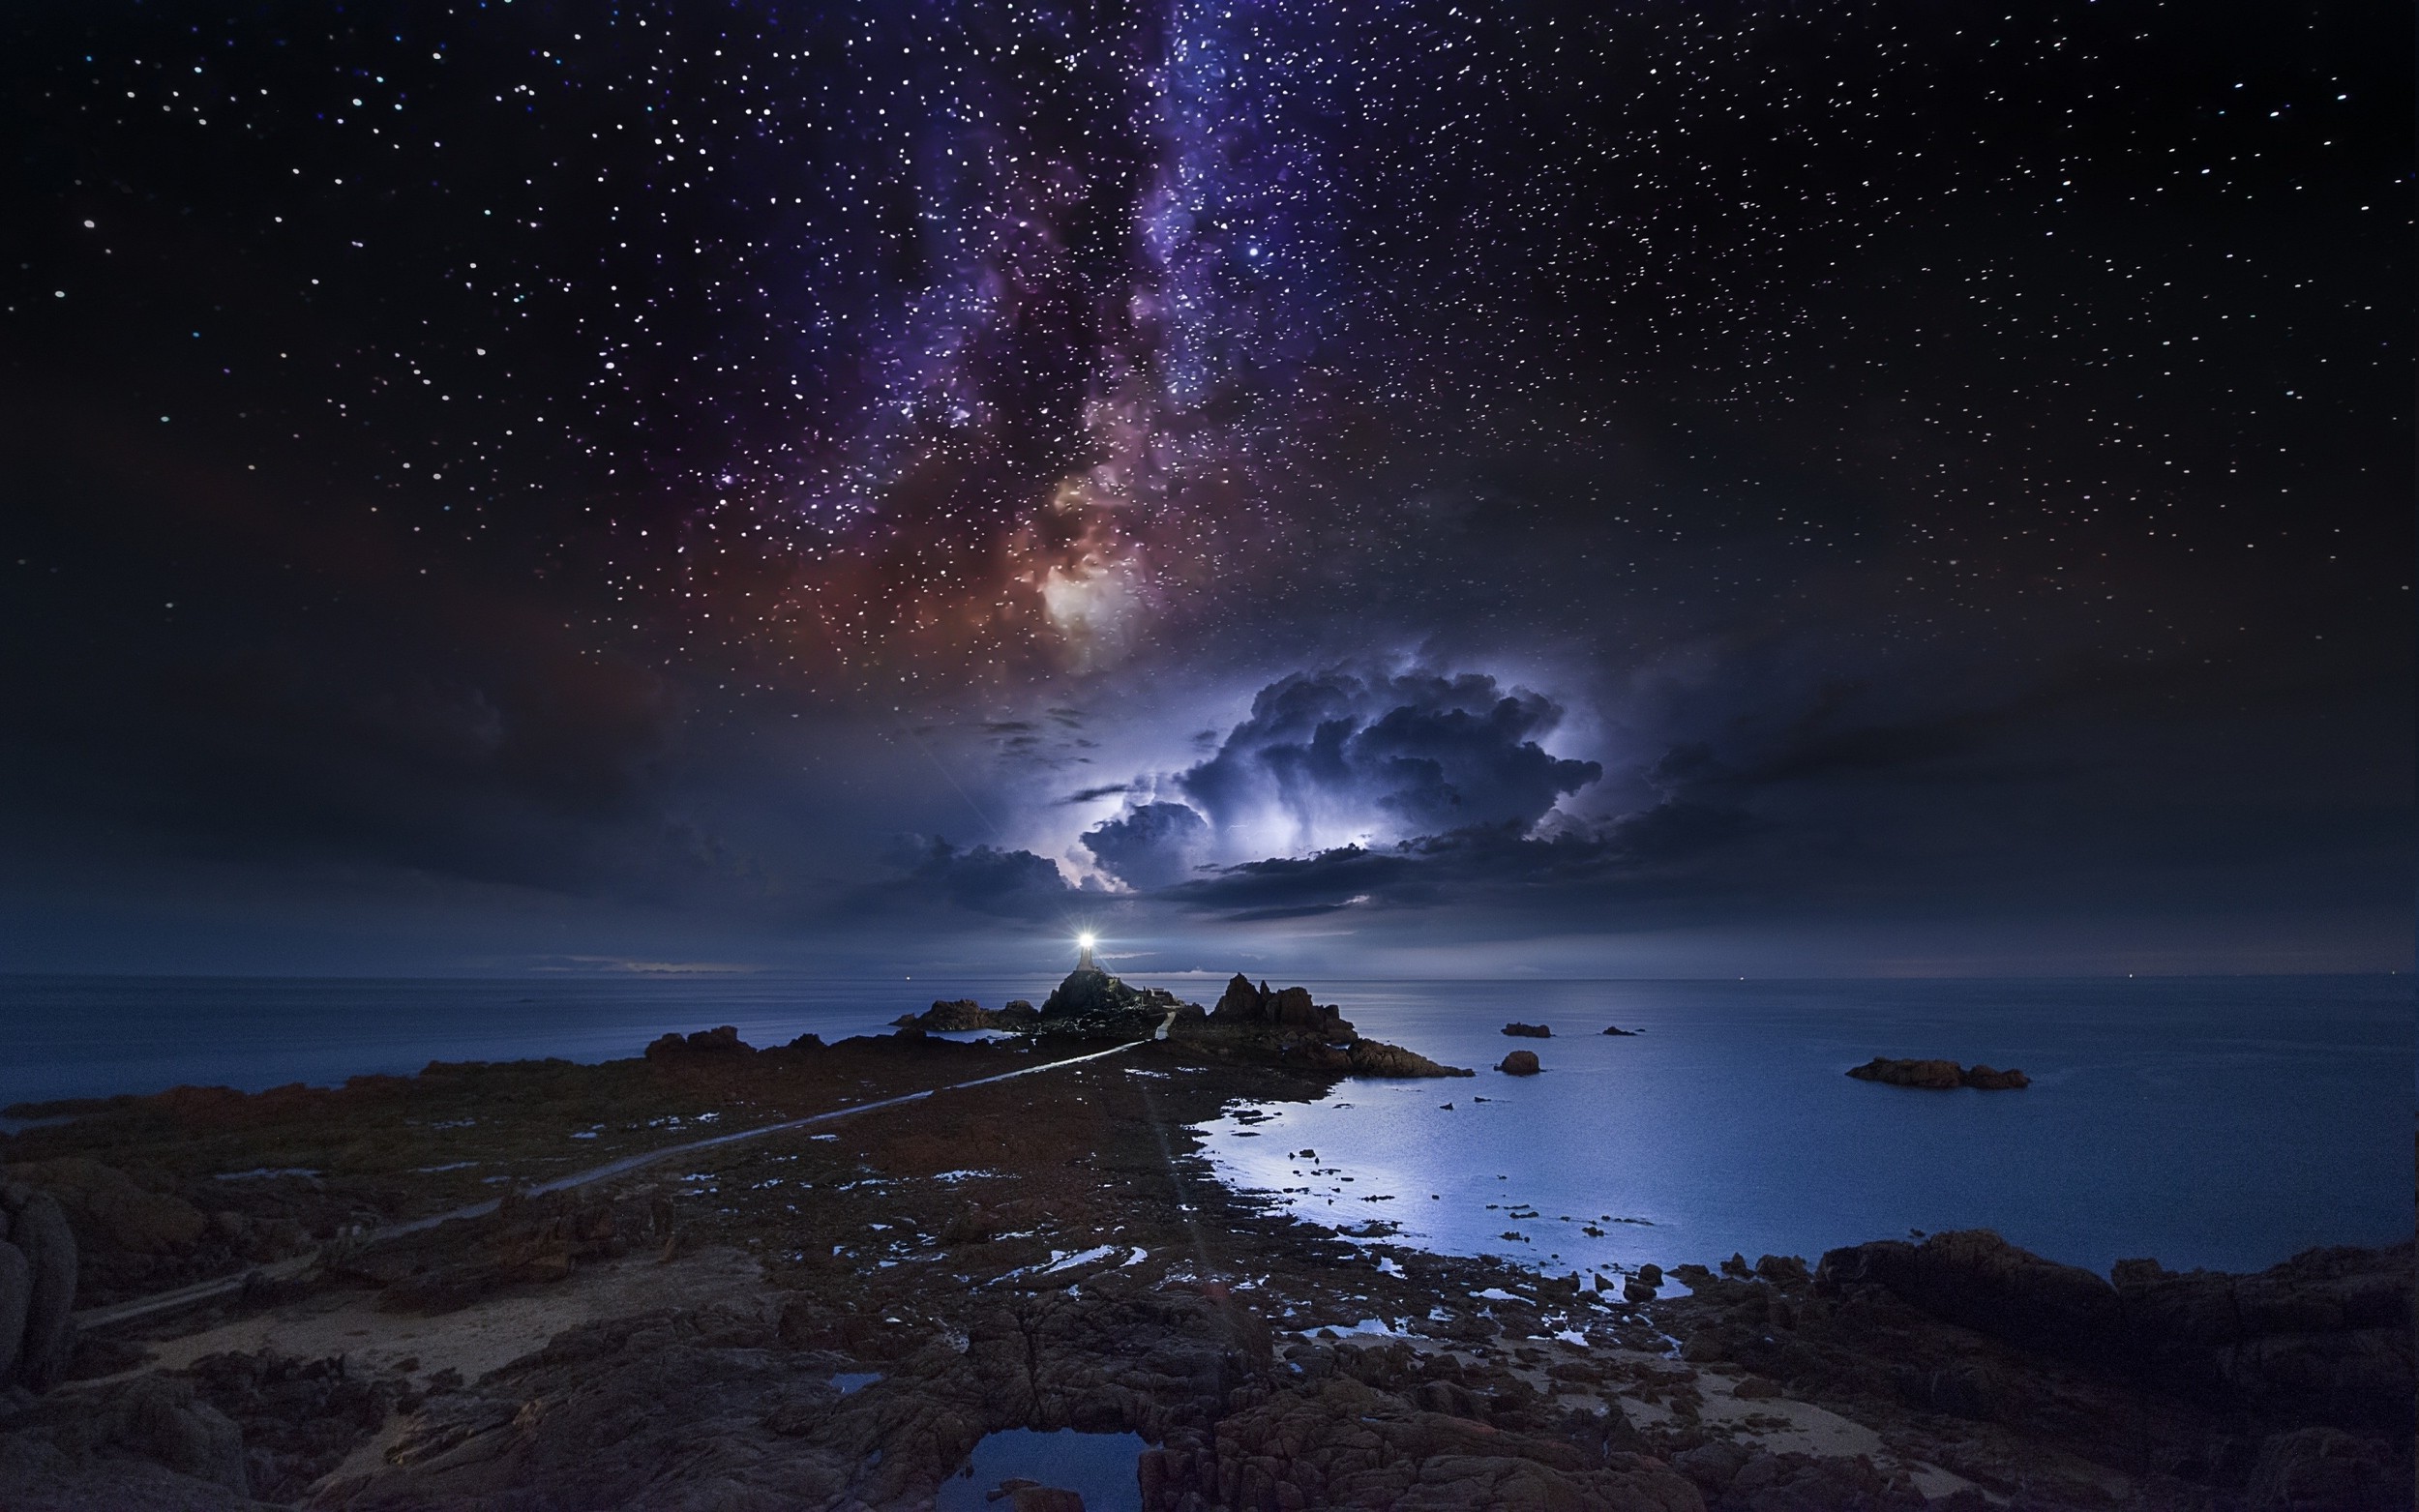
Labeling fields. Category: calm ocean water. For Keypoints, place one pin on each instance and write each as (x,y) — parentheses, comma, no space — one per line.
(2223,1122)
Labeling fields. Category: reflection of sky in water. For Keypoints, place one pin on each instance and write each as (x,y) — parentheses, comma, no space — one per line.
(2226,1123)
(1097,1466)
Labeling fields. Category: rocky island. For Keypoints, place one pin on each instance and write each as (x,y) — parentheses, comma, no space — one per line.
(828,1276)
(1938,1076)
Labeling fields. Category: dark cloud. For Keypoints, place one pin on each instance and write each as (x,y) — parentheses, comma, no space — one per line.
(1152,845)
(1417,752)
(1015,884)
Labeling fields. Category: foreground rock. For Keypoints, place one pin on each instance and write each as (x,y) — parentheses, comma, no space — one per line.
(36,1287)
(1939,1075)
(1520,1063)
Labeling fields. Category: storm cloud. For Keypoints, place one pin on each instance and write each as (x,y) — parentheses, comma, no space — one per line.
(1151,846)
(1416,753)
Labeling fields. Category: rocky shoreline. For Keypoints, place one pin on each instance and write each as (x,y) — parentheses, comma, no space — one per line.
(835,1316)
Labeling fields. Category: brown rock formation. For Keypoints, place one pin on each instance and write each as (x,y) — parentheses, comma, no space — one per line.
(1520,1063)
(1535,1031)
(1938,1076)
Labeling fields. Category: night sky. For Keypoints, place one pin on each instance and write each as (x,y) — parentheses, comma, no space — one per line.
(1398,488)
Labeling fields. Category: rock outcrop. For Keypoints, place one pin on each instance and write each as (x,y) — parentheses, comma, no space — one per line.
(1289,1026)
(2323,1338)
(1938,1076)
(958,1015)
(722,1041)
(1535,1031)
(1287,1009)
(1091,1001)
(36,1287)
(1520,1063)
(1615,1029)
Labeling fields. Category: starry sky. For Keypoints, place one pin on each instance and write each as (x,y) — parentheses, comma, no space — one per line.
(1394,488)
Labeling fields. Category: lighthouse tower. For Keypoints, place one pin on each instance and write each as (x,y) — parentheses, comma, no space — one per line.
(1084,960)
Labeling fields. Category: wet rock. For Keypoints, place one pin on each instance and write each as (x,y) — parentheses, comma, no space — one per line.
(1520,1063)
(1535,1031)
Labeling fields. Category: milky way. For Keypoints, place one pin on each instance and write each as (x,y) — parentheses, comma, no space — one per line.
(695,454)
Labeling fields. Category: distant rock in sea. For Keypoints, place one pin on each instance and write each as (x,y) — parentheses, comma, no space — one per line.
(1535,1031)
(958,1015)
(722,1041)
(1615,1029)
(1520,1063)
(1938,1076)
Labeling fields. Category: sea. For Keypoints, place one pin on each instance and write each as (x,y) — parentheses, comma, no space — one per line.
(2220,1122)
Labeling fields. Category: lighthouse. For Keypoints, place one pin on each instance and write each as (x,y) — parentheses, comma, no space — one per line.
(1084,960)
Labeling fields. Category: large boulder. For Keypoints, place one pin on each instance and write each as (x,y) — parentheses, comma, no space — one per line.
(1520,1063)
(1974,1278)
(40,1234)
(17,1300)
